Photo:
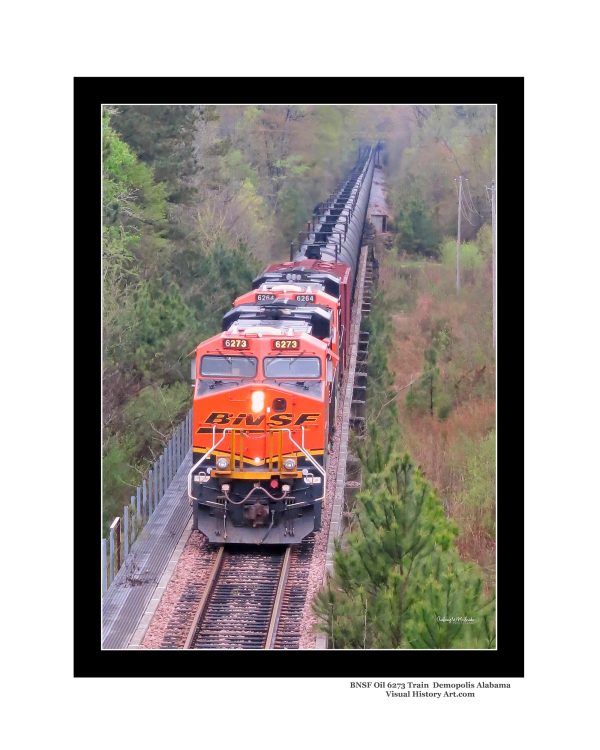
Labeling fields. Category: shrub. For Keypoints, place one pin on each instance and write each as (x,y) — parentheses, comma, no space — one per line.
(444,409)
(471,258)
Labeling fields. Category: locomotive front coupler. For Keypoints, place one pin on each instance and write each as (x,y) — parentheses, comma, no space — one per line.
(257,487)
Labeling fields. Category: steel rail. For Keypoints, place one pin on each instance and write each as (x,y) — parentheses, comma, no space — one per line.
(214,574)
(275,615)
(272,616)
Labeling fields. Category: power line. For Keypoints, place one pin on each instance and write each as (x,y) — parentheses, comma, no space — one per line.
(470,200)
(462,208)
(466,208)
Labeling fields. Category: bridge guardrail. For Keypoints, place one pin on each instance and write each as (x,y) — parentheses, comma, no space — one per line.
(125,529)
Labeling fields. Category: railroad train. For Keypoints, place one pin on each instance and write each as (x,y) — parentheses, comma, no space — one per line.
(266,388)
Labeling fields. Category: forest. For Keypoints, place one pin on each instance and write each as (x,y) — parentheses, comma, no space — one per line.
(196,200)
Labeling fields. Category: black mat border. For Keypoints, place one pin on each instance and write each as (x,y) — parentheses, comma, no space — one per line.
(89,659)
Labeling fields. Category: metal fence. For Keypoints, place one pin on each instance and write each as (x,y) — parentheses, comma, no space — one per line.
(125,529)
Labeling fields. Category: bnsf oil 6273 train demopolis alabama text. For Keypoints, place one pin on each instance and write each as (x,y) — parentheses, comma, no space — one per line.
(266,388)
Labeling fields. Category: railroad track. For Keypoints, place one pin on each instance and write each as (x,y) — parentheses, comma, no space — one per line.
(254,598)
(241,605)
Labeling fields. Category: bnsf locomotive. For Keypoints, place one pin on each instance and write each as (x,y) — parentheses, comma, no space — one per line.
(266,388)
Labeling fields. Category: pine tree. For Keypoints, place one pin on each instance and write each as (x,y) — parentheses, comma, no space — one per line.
(421,394)
(449,595)
(399,572)
(416,223)
(428,391)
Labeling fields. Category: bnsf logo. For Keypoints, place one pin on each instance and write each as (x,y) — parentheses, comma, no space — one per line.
(275,420)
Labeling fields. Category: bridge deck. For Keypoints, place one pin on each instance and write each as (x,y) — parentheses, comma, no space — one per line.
(128,596)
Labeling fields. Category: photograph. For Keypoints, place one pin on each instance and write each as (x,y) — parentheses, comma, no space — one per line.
(305,284)
(298,409)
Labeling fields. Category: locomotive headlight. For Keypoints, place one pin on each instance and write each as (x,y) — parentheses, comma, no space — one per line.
(258,401)
(222,463)
(289,464)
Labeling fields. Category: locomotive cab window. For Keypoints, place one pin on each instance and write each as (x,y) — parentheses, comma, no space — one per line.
(292,367)
(236,366)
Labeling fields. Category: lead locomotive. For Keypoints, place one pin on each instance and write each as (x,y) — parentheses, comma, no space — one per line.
(266,388)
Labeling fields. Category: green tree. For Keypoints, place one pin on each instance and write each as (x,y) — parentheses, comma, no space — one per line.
(162,137)
(430,391)
(422,394)
(131,196)
(398,580)
(415,223)
(449,608)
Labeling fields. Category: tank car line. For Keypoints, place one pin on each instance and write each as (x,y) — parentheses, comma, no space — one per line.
(338,223)
(265,394)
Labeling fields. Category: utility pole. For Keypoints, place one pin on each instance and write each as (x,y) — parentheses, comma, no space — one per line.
(458,235)
(493,193)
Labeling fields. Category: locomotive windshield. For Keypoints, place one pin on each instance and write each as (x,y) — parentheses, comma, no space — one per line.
(228,367)
(292,367)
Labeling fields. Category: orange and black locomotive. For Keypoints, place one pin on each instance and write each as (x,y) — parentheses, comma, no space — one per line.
(266,388)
